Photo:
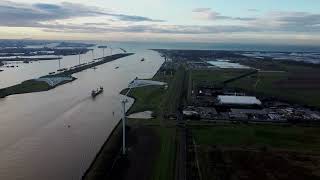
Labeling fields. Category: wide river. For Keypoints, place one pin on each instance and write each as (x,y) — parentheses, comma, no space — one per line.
(35,140)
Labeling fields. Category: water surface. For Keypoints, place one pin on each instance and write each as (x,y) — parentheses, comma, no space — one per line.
(35,140)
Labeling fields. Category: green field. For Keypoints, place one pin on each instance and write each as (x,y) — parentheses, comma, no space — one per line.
(164,168)
(261,83)
(251,151)
(160,101)
(174,97)
(296,83)
(25,87)
(147,98)
(260,151)
(215,77)
(256,136)
(286,86)
(157,98)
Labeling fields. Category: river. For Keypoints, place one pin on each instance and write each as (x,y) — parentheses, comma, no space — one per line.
(35,140)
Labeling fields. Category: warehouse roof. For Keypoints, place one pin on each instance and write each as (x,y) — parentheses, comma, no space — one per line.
(239,100)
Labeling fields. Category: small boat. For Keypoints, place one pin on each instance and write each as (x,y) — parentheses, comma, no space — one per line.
(95,93)
(142,60)
(63,69)
(116,67)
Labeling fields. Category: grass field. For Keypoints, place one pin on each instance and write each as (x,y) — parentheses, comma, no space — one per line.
(165,164)
(160,101)
(298,87)
(175,92)
(25,87)
(253,152)
(299,82)
(296,83)
(288,138)
(216,76)
(147,98)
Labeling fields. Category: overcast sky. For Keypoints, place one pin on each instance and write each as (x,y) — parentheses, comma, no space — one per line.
(248,21)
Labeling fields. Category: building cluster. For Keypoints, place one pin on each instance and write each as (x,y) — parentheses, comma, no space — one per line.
(210,103)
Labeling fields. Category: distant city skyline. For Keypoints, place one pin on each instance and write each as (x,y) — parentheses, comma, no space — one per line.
(219,21)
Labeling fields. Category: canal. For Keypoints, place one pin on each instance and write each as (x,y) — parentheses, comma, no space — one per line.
(56,134)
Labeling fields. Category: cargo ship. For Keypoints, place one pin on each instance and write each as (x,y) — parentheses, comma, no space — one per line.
(95,93)
(102,46)
(63,69)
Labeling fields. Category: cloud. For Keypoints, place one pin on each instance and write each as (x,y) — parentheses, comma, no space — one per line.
(300,19)
(124,17)
(151,28)
(32,15)
(201,9)
(289,22)
(54,18)
(274,22)
(253,10)
(279,21)
(209,14)
(96,24)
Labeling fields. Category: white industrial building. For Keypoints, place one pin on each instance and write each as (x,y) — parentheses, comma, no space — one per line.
(239,100)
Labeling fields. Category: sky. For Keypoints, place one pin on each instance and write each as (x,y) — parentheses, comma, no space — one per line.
(222,21)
